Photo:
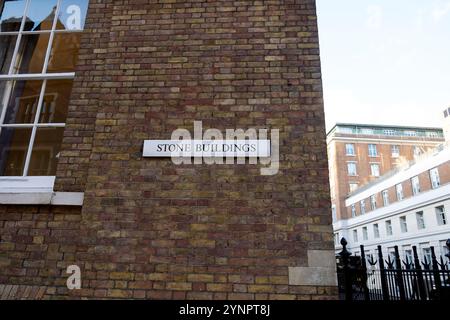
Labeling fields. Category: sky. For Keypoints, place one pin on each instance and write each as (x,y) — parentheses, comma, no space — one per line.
(385,61)
(41,9)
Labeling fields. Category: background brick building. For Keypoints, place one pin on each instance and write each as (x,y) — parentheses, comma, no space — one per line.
(146,227)
(359,154)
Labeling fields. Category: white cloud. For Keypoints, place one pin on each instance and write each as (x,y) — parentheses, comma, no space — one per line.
(440,11)
(342,105)
(375,17)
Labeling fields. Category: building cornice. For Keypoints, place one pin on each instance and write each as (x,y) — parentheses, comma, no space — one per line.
(426,198)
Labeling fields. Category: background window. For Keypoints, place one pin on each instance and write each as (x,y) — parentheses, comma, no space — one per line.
(417,151)
(351,168)
(399,191)
(355,236)
(385,195)
(353,187)
(353,208)
(375,170)
(408,255)
(392,256)
(440,215)
(415,185)
(420,220)
(350,149)
(434,176)
(42,42)
(373,150)
(403,224)
(427,254)
(389,231)
(365,233)
(376,231)
(395,151)
(363,206)
(373,202)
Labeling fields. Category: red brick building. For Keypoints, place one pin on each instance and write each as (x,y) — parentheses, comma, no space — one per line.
(76,190)
(359,154)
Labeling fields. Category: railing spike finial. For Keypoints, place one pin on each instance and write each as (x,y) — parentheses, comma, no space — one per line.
(408,264)
(426,264)
(344,253)
(390,263)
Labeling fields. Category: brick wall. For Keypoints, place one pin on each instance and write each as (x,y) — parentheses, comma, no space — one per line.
(37,243)
(384,160)
(151,229)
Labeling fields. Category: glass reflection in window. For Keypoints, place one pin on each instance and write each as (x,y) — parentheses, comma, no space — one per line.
(14,146)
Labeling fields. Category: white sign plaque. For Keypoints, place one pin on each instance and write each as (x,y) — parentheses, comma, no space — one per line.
(207,148)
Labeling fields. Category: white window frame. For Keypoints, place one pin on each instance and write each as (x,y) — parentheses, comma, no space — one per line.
(408,253)
(399,191)
(389,229)
(403,224)
(376,231)
(426,252)
(420,218)
(375,172)
(352,186)
(373,202)
(362,204)
(417,151)
(365,234)
(441,215)
(435,179)
(373,152)
(352,149)
(395,151)
(385,196)
(415,184)
(355,236)
(26,189)
(353,209)
(349,173)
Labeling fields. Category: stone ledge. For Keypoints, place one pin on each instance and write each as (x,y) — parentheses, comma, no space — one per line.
(43,198)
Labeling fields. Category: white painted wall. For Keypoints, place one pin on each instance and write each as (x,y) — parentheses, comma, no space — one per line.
(433,234)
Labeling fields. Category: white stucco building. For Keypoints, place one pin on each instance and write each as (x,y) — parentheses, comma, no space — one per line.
(407,207)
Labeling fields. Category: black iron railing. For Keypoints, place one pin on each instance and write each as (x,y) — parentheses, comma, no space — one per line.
(393,278)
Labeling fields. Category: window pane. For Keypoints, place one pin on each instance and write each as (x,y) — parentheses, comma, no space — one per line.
(31,55)
(23,101)
(56,101)
(7,45)
(72,14)
(45,151)
(41,14)
(11,15)
(64,54)
(13,150)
